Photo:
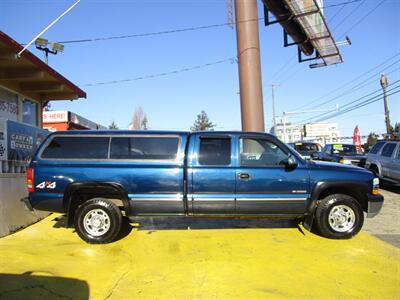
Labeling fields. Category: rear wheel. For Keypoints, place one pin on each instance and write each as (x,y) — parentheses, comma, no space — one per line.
(98,221)
(339,216)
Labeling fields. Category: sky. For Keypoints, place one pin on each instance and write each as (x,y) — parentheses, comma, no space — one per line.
(172,102)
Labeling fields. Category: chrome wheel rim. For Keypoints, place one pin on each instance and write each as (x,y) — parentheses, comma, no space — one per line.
(96,222)
(342,218)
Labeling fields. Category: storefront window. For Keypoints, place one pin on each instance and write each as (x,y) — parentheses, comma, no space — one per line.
(8,105)
(30,112)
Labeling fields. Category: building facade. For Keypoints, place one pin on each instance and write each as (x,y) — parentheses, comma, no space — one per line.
(27,84)
(322,133)
(67,120)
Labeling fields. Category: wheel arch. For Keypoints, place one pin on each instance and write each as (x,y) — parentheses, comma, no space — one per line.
(79,192)
(357,190)
(375,165)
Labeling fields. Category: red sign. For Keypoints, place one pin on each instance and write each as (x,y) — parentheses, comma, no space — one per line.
(357,139)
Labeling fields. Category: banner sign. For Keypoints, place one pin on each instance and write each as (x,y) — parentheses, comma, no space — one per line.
(59,116)
(23,140)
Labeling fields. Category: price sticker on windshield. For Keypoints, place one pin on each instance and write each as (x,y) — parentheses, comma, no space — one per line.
(338,147)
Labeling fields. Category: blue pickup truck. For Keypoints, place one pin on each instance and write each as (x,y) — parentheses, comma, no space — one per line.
(97,177)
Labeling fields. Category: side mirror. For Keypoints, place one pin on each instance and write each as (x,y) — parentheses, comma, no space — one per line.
(290,163)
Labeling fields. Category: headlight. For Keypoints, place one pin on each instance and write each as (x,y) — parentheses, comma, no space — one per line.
(375,186)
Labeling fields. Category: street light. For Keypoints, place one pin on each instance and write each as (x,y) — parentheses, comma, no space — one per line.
(41,44)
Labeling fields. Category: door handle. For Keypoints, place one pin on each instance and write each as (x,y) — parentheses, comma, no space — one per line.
(244,176)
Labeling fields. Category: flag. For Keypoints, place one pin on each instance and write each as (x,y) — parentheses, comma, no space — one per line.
(357,139)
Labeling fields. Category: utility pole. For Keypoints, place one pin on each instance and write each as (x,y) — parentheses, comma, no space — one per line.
(384,84)
(273,85)
(248,49)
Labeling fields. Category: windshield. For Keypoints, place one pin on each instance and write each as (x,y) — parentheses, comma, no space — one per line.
(306,148)
(342,149)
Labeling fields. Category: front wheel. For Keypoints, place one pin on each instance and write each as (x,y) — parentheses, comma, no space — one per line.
(98,221)
(339,216)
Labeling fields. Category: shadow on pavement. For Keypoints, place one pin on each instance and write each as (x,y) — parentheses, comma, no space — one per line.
(28,286)
(391,187)
(183,223)
(194,223)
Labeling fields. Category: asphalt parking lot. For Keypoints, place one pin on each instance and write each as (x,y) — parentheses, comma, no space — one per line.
(204,259)
(386,225)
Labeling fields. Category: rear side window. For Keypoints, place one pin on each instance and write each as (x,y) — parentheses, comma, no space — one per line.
(79,147)
(215,151)
(144,148)
(378,146)
(387,151)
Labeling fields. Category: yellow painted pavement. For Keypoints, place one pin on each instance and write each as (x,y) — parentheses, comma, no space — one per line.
(43,262)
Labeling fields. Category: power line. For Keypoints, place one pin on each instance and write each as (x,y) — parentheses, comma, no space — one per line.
(187,69)
(354,103)
(348,15)
(180,30)
(347,83)
(357,86)
(363,18)
(357,106)
(342,4)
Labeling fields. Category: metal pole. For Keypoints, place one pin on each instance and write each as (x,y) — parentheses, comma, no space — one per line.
(384,84)
(273,109)
(249,65)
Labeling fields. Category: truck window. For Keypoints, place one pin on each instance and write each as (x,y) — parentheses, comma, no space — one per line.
(378,146)
(260,152)
(387,151)
(215,151)
(77,147)
(144,148)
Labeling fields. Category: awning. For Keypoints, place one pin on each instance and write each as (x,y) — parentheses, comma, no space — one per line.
(30,76)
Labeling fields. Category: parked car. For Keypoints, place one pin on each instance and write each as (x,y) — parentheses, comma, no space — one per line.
(306,149)
(341,153)
(91,176)
(384,160)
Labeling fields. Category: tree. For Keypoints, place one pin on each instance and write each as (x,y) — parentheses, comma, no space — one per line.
(371,140)
(47,106)
(202,122)
(139,120)
(113,125)
(397,127)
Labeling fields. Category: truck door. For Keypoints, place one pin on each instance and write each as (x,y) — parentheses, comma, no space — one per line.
(211,175)
(386,158)
(263,184)
(394,171)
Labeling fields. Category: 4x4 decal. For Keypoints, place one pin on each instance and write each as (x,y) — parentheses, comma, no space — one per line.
(46,185)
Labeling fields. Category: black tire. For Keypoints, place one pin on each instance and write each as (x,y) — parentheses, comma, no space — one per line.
(98,210)
(349,222)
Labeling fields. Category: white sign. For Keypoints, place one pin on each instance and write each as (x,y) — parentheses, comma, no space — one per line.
(59,116)
(321,129)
